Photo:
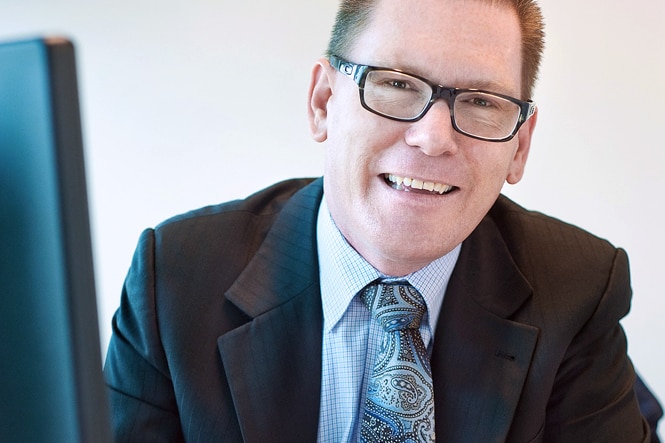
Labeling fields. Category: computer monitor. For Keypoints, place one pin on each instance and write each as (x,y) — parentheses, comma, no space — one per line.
(51,384)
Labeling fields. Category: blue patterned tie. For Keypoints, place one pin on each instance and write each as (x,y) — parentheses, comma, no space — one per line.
(400,402)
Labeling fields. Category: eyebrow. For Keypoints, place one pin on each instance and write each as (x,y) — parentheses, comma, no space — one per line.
(478,83)
(491,85)
(484,85)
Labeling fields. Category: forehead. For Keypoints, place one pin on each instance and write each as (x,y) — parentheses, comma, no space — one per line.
(462,43)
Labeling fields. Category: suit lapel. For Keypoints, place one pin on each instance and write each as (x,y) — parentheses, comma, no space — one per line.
(273,363)
(480,357)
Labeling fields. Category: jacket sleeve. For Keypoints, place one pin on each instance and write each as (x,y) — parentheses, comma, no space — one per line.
(142,399)
(593,398)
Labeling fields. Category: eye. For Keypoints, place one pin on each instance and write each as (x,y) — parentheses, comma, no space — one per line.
(398,84)
(484,102)
(480,102)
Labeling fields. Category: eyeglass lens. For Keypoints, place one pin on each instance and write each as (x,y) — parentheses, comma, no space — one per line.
(402,96)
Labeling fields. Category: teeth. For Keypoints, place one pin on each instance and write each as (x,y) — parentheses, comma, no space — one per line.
(413,183)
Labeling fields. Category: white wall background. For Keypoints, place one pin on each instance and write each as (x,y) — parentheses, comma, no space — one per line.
(187,103)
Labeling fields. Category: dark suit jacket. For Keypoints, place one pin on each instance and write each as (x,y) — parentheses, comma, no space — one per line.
(218,336)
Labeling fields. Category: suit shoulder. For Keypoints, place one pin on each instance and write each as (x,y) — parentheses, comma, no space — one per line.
(519,225)
(541,244)
(239,225)
(266,202)
(570,270)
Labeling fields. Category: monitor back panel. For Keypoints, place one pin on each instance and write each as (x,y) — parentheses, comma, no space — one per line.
(51,386)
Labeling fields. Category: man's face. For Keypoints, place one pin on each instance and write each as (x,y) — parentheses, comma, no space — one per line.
(456,43)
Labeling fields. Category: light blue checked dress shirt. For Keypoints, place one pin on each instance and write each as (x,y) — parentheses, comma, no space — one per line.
(350,339)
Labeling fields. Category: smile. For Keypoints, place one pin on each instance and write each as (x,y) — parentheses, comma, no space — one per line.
(413,184)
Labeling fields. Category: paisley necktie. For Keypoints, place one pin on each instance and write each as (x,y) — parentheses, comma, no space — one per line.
(399,406)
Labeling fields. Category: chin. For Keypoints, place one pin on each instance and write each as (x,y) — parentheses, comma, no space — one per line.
(398,259)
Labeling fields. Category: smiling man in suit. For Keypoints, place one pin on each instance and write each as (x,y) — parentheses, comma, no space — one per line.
(250,321)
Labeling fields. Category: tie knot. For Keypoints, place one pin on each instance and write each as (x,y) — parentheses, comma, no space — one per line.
(395,306)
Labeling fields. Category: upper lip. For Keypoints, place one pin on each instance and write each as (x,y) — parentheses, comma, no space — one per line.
(406,183)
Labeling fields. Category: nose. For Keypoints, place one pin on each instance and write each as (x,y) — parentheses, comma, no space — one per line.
(433,134)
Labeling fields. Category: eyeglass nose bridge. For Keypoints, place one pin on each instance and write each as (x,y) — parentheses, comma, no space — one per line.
(441,93)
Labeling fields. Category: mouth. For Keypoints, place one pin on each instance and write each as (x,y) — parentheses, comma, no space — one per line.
(409,184)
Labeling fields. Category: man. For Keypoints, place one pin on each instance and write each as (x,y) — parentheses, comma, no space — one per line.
(247,321)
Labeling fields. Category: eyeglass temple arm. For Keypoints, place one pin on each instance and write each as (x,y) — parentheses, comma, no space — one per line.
(531,109)
(349,69)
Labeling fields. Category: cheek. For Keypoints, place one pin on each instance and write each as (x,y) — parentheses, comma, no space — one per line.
(342,165)
(353,145)
(491,163)
(347,172)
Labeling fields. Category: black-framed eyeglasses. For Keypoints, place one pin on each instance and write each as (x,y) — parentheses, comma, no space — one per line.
(401,96)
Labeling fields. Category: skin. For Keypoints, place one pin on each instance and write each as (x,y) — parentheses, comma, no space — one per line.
(454,43)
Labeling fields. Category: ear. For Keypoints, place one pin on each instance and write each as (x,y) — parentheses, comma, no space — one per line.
(516,169)
(320,91)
